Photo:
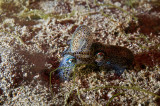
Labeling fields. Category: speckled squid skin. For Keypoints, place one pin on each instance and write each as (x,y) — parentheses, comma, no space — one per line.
(78,52)
(112,57)
(83,50)
(80,44)
(81,40)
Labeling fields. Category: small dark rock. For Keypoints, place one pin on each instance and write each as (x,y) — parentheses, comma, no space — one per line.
(1,91)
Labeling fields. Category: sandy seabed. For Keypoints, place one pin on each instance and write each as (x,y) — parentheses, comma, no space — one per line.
(34,33)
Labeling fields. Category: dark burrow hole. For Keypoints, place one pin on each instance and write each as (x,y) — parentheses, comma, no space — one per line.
(142,66)
(1,91)
(147,59)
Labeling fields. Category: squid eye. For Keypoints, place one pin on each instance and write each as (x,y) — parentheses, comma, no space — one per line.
(100,55)
(70,61)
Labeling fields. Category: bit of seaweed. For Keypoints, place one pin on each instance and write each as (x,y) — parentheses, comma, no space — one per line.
(113,98)
(124,87)
(119,8)
(71,94)
(147,24)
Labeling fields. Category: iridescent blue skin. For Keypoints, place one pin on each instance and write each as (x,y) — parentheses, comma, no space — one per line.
(67,64)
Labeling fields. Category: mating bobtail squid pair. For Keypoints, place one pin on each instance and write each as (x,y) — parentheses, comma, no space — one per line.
(83,50)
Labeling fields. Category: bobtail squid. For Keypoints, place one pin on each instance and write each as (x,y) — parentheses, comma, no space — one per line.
(82,49)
